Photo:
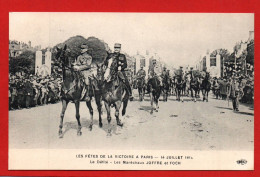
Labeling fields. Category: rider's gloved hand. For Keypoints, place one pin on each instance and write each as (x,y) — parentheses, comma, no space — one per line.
(119,68)
(76,68)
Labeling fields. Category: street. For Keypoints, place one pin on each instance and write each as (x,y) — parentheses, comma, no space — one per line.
(177,126)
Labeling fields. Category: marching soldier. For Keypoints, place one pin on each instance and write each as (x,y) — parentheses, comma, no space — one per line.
(83,64)
(122,65)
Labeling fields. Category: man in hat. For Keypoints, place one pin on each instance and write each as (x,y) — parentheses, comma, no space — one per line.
(233,93)
(122,65)
(83,64)
(155,71)
(141,73)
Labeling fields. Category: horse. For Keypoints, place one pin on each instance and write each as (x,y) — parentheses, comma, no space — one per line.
(187,84)
(205,87)
(165,88)
(114,92)
(194,87)
(73,90)
(141,87)
(178,87)
(154,89)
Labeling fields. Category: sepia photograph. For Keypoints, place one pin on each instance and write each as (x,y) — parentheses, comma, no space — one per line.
(131,91)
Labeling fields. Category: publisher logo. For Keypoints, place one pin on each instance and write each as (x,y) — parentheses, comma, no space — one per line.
(241,162)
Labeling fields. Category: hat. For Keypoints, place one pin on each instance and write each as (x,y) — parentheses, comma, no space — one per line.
(181,67)
(191,67)
(117,45)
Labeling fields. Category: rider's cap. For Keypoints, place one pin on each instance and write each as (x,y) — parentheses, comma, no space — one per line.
(191,67)
(181,67)
(117,45)
(84,46)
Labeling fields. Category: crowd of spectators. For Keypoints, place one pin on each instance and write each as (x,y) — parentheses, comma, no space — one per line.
(27,91)
(246,85)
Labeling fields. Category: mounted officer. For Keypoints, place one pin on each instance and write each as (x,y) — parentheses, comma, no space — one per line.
(83,64)
(122,65)
(141,73)
(155,71)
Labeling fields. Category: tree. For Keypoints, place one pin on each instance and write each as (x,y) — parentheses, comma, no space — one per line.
(97,48)
(24,62)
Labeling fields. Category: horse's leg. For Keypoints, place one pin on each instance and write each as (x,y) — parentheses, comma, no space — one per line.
(64,107)
(156,100)
(108,119)
(207,96)
(125,102)
(117,107)
(151,98)
(91,114)
(78,118)
(99,107)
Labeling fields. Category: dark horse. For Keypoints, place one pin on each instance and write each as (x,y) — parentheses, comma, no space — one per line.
(72,89)
(205,87)
(114,92)
(166,87)
(179,84)
(141,87)
(154,89)
(194,88)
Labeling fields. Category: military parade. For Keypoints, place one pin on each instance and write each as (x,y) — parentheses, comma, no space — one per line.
(104,93)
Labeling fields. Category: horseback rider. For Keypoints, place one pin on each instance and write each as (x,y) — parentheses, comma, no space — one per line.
(141,73)
(155,71)
(191,73)
(122,65)
(83,64)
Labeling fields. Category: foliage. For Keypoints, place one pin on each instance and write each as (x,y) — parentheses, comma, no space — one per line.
(97,48)
(24,62)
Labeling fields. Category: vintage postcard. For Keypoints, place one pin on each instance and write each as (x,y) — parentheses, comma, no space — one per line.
(131,91)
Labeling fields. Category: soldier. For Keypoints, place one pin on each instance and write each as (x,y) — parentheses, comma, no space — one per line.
(233,93)
(155,71)
(122,65)
(28,90)
(83,64)
(141,73)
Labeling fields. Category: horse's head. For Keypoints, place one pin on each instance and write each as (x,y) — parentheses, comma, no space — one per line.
(62,54)
(111,68)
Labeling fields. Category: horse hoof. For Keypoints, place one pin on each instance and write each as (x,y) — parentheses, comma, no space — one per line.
(79,133)
(109,134)
(156,110)
(120,124)
(60,134)
(90,127)
(123,112)
(151,112)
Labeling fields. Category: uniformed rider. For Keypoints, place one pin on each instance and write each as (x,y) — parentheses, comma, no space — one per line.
(141,73)
(155,71)
(83,64)
(122,66)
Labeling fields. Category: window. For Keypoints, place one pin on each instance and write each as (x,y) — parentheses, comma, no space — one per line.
(213,62)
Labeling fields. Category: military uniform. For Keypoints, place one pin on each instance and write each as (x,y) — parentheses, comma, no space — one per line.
(141,73)
(233,94)
(122,63)
(83,64)
(155,71)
